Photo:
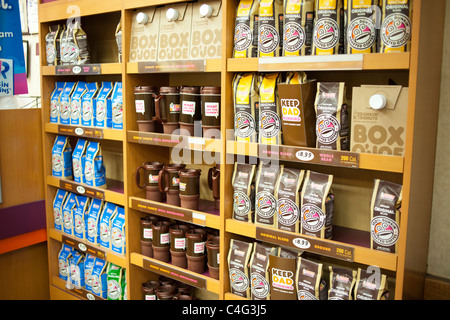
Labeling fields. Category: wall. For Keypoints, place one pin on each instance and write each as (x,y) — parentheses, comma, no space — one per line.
(438,256)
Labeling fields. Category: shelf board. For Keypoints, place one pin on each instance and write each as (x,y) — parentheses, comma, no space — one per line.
(206,216)
(86,132)
(206,65)
(61,9)
(202,281)
(355,240)
(105,68)
(372,61)
(111,256)
(289,153)
(232,296)
(172,140)
(114,193)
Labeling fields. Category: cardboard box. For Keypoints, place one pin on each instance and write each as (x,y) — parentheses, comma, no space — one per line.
(145,35)
(298,117)
(175,35)
(206,33)
(381,131)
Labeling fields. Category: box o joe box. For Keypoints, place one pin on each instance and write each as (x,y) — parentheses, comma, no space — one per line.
(206,33)
(379,119)
(145,34)
(175,32)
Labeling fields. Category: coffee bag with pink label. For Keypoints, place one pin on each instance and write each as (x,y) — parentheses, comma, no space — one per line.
(79,216)
(246,29)
(298,27)
(270,42)
(259,271)
(328,34)
(55,104)
(62,158)
(52,45)
(385,216)
(371,285)
(63,261)
(88,267)
(238,259)
(266,191)
(103,108)
(342,283)
(58,203)
(92,227)
(269,109)
(67,213)
(317,205)
(65,102)
(76,265)
(88,105)
(118,231)
(243,192)
(288,199)
(78,158)
(396,26)
(105,224)
(75,102)
(332,116)
(309,281)
(94,170)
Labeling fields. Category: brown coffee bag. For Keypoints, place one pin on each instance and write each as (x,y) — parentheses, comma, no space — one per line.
(396,28)
(317,205)
(82,45)
(259,271)
(298,27)
(238,259)
(282,277)
(328,34)
(246,29)
(244,192)
(270,43)
(308,278)
(385,216)
(246,107)
(269,109)
(369,286)
(119,40)
(52,45)
(266,190)
(288,199)
(342,283)
(332,116)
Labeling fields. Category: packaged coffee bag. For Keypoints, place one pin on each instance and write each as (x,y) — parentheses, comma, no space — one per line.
(117,106)
(396,28)
(371,286)
(76,265)
(270,43)
(288,199)
(328,34)
(296,77)
(55,103)
(58,203)
(317,205)
(105,224)
(62,158)
(361,35)
(259,271)
(114,281)
(269,109)
(67,213)
(94,170)
(298,27)
(246,29)
(52,45)
(119,40)
(238,258)
(246,107)
(99,278)
(342,283)
(282,277)
(63,261)
(385,216)
(95,210)
(78,46)
(63,46)
(79,217)
(89,110)
(266,191)
(332,116)
(118,231)
(75,102)
(88,266)
(308,278)
(244,192)
(78,160)
(103,108)
(65,102)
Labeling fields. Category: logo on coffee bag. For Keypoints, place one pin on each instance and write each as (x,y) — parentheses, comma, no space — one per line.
(294,37)
(266,204)
(239,280)
(396,30)
(384,231)
(313,218)
(361,33)
(260,286)
(326,34)
(327,129)
(241,203)
(288,212)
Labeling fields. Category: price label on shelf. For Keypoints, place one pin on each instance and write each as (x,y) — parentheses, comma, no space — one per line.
(86,248)
(80,131)
(82,190)
(77,70)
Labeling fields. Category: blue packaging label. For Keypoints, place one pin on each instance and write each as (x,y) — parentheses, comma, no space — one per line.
(58,202)
(65,108)
(75,103)
(92,220)
(103,107)
(88,105)
(62,158)
(117,106)
(77,160)
(118,231)
(109,211)
(55,105)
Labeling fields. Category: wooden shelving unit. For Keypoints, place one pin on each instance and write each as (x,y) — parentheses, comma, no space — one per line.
(125,150)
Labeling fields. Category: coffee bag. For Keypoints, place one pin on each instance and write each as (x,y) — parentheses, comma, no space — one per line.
(317,205)
(65,102)
(52,45)
(105,224)
(58,203)
(114,281)
(78,160)
(243,192)
(63,261)
(246,107)
(75,102)
(342,283)
(385,216)
(328,34)
(63,45)
(396,28)
(88,267)
(309,282)
(298,27)
(238,259)
(103,106)
(296,77)
(78,46)
(93,231)
(259,271)
(119,40)
(282,277)
(55,103)
(100,278)
(270,43)
(69,207)
(94,170)
(361,35)
(269,109)
(246,29)
(371,286)
(76,265)
(79,217)
(62,158)
(266,191)
(117,106)
(288,199)
(118,232)
(332,116)
(88,113)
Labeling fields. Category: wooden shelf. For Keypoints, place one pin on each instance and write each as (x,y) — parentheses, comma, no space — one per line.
(355,240)
(289,153)
(85,132)
(202,281)
(208,65)
(232,296)
(372,61)
(75,294)
(105,68)
(113,194)
(65,9)
(206,216)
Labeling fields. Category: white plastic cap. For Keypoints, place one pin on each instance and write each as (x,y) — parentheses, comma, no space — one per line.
(378,101)
(206,10)
(142,18)
(172,14)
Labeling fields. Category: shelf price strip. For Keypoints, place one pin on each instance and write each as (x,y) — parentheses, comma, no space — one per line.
(85,191)
(79,70)
(310,244)
(80,131)
(86,248)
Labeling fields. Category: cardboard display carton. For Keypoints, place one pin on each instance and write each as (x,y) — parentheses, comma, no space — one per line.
(145,34)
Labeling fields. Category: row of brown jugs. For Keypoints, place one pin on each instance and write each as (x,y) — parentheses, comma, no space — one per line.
(176,184)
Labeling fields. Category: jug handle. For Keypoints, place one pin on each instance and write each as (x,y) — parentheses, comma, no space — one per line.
(163,176)
(138,177)
(157,107)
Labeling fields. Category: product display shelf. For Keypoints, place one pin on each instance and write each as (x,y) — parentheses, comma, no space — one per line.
(71,294)
(207,65)
(67,9)
(102,68)
(84,132)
